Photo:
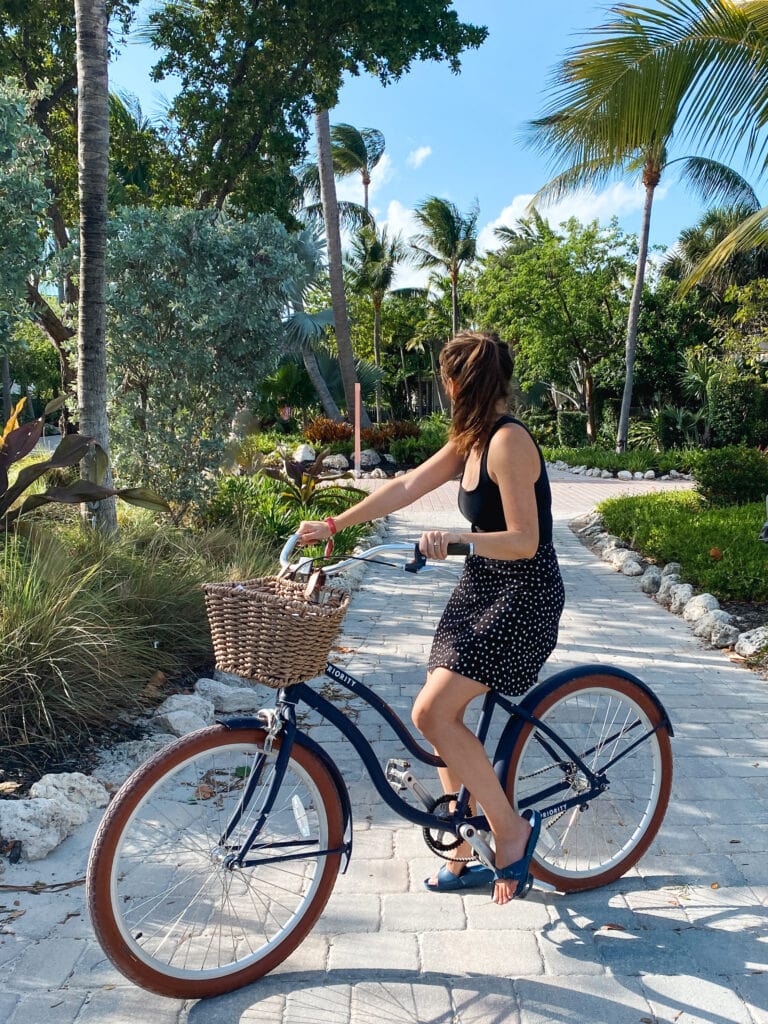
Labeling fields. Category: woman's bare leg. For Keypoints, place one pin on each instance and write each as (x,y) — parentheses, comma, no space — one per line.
(438,713)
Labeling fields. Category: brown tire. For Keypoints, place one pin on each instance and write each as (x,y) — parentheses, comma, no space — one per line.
(169,913)
(600,716)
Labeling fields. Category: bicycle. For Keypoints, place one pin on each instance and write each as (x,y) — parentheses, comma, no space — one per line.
(216,858)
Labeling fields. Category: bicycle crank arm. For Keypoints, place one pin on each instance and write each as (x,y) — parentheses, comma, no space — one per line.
(482,850)
(399,776)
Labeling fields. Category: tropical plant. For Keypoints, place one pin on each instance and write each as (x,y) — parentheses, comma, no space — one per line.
(357,151)
(616,104)
(448,240)
(372,265)
(18,441)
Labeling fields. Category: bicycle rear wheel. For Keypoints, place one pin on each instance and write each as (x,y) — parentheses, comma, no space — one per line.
(168,912)
(600,717)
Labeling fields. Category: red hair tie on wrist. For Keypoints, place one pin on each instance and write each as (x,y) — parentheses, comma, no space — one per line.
(329,546)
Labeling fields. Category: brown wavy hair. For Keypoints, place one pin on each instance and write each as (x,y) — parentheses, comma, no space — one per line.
(479,365)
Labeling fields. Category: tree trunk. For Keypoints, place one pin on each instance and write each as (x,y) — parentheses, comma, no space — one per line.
(377,354)
(589,405)
(93,161)
(312,367)
(335,266)
(7,402)
(651,180)
(455,302)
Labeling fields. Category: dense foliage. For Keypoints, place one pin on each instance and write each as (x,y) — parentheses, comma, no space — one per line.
(717,548)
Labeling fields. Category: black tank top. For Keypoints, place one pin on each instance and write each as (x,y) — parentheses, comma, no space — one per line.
(482,505)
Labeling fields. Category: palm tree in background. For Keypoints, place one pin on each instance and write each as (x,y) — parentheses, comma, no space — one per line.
(335,266)
(696,243)
(372,265)
(616,104)
(356,151)
(93,172)
(448,241)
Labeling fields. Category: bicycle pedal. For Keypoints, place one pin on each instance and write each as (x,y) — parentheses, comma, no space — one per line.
(396,771)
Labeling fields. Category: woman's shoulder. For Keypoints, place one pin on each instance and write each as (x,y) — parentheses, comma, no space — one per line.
(511,442)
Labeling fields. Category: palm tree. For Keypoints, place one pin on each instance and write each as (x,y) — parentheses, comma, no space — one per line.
(449,240)
(93,169)
(372,265)
(697,242)
(335,266)
(356,151)
(616,104)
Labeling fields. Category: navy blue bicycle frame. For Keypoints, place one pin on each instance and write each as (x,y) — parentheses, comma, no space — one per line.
(562,755)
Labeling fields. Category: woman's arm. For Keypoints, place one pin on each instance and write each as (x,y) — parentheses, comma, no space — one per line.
(397,493)
(514,466)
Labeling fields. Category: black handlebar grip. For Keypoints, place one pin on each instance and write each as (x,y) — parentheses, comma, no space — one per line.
(458,549)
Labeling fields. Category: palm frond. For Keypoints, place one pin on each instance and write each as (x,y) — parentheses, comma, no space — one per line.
(714,182)
(752,233)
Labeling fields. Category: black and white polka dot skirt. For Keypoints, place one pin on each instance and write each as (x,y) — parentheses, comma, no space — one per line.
(500,624)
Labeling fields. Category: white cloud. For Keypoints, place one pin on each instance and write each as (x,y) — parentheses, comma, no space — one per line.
(400,220)
(417,156)
(586,205)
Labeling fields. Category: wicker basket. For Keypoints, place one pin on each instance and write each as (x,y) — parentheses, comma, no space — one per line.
(270,631)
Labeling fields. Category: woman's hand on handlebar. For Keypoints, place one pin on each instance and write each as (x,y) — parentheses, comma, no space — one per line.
(313,531)
(434,543)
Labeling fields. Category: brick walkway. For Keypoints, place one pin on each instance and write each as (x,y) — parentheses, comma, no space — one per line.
(680,940)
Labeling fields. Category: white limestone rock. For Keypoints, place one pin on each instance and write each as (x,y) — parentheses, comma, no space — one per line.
(616,557)
(680,595)
(57,804)
(664,593)
(649,475)
(631,567)
(704,625)
(606,473)
(700,605)
(179,723)
(338,462)
(369,458)
(624,474)
(115,765)
(638,475)
(724,635)
(752,642)
(304,453)
(651,580)
(82,791)
(672,569)
(189,702)
(229,699)
(378,474)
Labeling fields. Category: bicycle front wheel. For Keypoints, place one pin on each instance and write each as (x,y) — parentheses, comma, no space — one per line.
(169,911)
(601,718)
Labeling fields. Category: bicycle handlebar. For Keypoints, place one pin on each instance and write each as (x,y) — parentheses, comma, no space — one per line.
(416,565)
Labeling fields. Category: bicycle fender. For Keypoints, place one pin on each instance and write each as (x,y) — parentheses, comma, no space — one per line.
(544,688)
(249,722)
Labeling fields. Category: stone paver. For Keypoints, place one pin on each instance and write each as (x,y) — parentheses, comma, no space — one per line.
(683,938)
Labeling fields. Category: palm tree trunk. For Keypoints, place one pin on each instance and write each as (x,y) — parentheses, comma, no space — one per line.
(377,354)
(335,271)
(312,367)
(455,302)
(651,180)
(93,161)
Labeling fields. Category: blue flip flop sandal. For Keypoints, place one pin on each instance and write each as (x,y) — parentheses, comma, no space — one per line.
(519,870)
(476,876)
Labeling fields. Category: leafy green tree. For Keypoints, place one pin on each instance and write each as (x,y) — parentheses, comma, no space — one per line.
(448,240)
(616,103)
(253,74)
(196,307)
(561,302)
(23,202)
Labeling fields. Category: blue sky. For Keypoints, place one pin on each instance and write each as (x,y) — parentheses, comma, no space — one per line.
(459,136)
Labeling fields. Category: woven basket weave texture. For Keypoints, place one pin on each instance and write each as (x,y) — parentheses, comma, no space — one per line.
(268,631)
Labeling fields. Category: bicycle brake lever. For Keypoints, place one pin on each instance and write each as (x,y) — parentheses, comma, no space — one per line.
(419,561)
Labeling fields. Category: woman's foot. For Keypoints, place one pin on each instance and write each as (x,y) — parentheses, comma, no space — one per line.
(448,879)
(510,851)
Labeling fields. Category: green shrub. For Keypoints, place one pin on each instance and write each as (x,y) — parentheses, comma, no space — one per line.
(736,406)
(635,460)
(571,428)
(731,476)
(411,451)
(717,547)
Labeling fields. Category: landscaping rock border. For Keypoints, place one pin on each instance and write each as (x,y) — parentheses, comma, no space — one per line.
(622,474)
(33,826)
(702,612)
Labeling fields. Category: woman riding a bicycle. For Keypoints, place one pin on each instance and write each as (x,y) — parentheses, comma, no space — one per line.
(501,623)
